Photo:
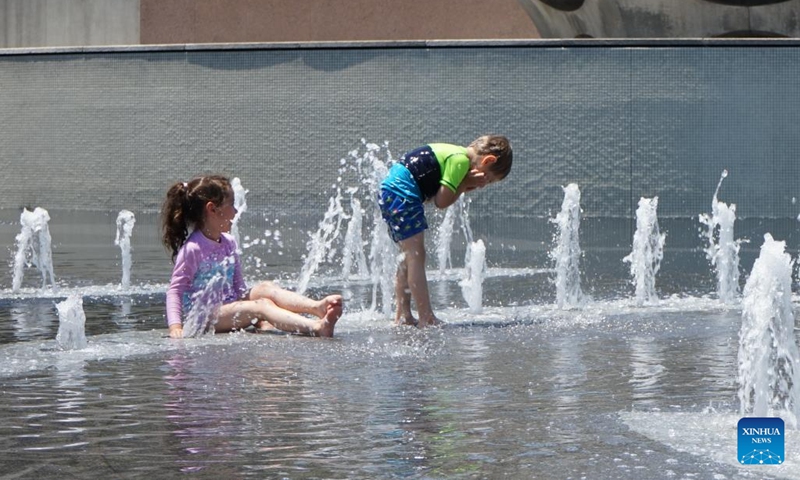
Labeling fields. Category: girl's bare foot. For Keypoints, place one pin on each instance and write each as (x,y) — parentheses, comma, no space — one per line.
(328,322)
(331,302)
(264,326)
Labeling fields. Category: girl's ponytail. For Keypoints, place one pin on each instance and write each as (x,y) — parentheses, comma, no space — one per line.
(183,207)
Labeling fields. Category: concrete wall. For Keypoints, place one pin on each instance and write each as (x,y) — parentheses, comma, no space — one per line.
(49,23)
(190,21)
(40,23)
(109,130)
(88,134)
(93,133)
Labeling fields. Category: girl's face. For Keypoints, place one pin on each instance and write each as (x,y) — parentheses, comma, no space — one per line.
(222,215)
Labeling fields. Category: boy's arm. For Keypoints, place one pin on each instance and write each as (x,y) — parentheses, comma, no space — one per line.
(446,197)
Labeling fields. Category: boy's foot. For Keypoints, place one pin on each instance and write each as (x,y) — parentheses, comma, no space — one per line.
(431,321)
(328,322)
(331,302)
(401,320)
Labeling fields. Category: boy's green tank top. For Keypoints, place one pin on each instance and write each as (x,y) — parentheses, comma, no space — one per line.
(453,162)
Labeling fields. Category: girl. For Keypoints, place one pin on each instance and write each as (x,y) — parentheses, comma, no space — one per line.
(207,275)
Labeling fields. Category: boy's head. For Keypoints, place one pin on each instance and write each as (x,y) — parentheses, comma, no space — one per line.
(497,146)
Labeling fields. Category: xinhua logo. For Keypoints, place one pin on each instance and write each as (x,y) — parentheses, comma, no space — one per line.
(761,441)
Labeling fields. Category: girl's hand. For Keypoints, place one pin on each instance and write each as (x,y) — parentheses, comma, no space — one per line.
(176,331)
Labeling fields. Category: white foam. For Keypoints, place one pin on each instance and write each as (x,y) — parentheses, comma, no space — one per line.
(710,435)
(110,290)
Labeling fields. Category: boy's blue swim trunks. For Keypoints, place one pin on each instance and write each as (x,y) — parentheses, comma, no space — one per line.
(401,204)
(405,217)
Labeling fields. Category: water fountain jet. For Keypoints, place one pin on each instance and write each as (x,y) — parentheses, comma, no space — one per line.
(71,324)
(125,222)
(472,284)
(33,247)
(723,250)
(648,251)
(324,245)
(353,251)
(240,203)
(567,251)
(442,240)
(768,352)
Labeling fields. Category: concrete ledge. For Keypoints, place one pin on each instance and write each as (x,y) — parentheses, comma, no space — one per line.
(411,44)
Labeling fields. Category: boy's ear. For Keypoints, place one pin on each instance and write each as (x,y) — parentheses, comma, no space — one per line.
(488,160)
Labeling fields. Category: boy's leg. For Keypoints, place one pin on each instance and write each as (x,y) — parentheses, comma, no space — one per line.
(294,302)
(414,250)
(239,314)
(402,294)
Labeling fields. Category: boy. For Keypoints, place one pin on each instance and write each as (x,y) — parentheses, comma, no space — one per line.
(440,172)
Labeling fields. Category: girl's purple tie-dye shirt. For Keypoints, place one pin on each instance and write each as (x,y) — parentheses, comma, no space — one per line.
(199,262)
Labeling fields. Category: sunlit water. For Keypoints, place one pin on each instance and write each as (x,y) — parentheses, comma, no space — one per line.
(520,389)
(530,391)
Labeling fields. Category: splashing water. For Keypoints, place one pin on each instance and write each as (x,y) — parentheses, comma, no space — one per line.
(33,247)
(240,203)
(648,251)
(384,258)
(205,303)
(125,222)
(723,250)
(768,352)
(320,245)
(462,211)
(71,324)
(472,284)
(443,238)
(353,251)
(567,251)
(359,177)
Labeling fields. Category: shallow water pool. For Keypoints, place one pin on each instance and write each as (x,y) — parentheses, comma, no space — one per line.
(520,390)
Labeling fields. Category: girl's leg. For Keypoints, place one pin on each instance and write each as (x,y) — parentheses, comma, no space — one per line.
(403,315)
(414,250)
(239,315)
(295,302)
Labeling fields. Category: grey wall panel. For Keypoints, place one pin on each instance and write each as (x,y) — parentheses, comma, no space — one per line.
(106,131)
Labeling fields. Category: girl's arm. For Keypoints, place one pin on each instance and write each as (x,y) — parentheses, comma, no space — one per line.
(181,281)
